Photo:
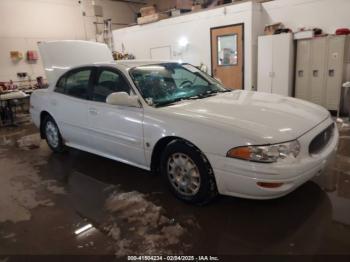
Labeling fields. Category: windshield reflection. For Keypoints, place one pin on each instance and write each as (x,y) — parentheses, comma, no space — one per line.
(168,83)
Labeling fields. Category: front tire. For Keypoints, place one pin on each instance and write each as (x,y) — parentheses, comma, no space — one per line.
(53,135)
(188,173)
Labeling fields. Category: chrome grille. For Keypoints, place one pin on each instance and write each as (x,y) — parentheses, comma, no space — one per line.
(321,140)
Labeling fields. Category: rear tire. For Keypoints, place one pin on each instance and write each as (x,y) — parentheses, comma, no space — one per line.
(52,135)
(188,173)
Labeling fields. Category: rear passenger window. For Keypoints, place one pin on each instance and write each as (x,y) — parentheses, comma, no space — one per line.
(77,84)
(61,85)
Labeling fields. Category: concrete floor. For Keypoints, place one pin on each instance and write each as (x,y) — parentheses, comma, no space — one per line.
(45,197)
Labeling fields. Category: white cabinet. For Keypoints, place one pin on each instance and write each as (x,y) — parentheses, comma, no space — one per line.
(320,70)
(276,64)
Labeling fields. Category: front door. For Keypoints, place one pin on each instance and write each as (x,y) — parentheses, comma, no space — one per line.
(117,130)
(227,55)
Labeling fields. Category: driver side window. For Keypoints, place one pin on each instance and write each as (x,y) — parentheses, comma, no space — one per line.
(182,76)
(108,82)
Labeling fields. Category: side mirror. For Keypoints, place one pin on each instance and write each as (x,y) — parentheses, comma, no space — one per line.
(218,79)
(123,99)
(346,85)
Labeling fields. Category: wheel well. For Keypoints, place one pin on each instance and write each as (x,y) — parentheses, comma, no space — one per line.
(159,148)
(43,116)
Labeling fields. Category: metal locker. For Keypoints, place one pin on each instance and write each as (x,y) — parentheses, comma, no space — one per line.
(302,80)
(283,64)
(347,50)
(276,64)
(334,72)
(318,69)
(265,67)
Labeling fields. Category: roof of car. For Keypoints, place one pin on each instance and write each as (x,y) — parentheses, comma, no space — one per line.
(135,63)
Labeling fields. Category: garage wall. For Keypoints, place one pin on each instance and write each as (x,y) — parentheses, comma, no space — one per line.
(25,22)
(163,4)
(325,14)
(328,15)
(162,38)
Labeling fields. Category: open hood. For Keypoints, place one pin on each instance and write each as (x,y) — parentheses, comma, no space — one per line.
(60,56)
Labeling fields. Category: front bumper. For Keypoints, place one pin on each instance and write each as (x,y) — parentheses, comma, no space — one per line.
(239,178)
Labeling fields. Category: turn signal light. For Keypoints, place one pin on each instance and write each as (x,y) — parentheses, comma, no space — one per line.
(269,185)
(240,153)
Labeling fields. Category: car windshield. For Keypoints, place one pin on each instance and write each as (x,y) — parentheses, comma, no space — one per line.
(168,83)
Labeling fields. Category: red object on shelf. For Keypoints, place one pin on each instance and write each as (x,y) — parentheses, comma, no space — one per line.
(343,31)
(32,55)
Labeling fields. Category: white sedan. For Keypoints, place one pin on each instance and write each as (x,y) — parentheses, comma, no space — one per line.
(173,119)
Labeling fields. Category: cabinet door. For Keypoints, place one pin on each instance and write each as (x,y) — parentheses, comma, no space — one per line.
(347,50)
(334,72)
(282,64)
(302,75)
(318,68)
(265,72)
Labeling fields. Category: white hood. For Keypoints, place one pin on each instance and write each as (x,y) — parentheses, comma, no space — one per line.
(60,56)
(265,117)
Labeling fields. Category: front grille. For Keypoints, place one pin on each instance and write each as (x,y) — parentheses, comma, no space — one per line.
(321,140)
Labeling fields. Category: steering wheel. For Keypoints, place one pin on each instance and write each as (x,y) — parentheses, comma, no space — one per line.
(185,83)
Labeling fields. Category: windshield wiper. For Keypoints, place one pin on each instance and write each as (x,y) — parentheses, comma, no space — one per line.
(226,91)
(209,93)
(168,103)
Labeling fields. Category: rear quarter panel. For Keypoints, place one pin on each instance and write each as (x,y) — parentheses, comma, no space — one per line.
(39,102)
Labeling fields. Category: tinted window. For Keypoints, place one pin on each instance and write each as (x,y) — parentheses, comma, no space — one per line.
(61,85)
(109,82)
(77,84)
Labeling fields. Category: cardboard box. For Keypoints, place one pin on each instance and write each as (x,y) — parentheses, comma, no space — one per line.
(184,4)
(175,12)
(196,7)
(271,29)
(151,18)
(148,10)
(306,34)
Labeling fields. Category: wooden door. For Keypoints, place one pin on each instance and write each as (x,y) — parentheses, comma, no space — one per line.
(228,55)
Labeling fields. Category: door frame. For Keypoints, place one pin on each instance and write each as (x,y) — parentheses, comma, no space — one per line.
(243,49)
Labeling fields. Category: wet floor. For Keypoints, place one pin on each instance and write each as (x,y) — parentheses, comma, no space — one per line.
(45,198)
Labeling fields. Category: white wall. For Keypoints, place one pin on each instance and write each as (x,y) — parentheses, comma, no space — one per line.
(139,40)
(25,22)
(325,14)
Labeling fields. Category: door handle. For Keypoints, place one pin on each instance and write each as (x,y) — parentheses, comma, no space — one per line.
(93,111)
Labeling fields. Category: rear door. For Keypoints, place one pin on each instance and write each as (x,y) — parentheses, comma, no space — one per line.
(70,103)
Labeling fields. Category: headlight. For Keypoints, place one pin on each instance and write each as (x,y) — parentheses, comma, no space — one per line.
(266,154)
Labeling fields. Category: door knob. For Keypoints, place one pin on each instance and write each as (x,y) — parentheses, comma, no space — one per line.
(93,111)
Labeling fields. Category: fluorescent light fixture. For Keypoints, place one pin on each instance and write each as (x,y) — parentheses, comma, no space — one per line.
(183,42)
(83,229)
